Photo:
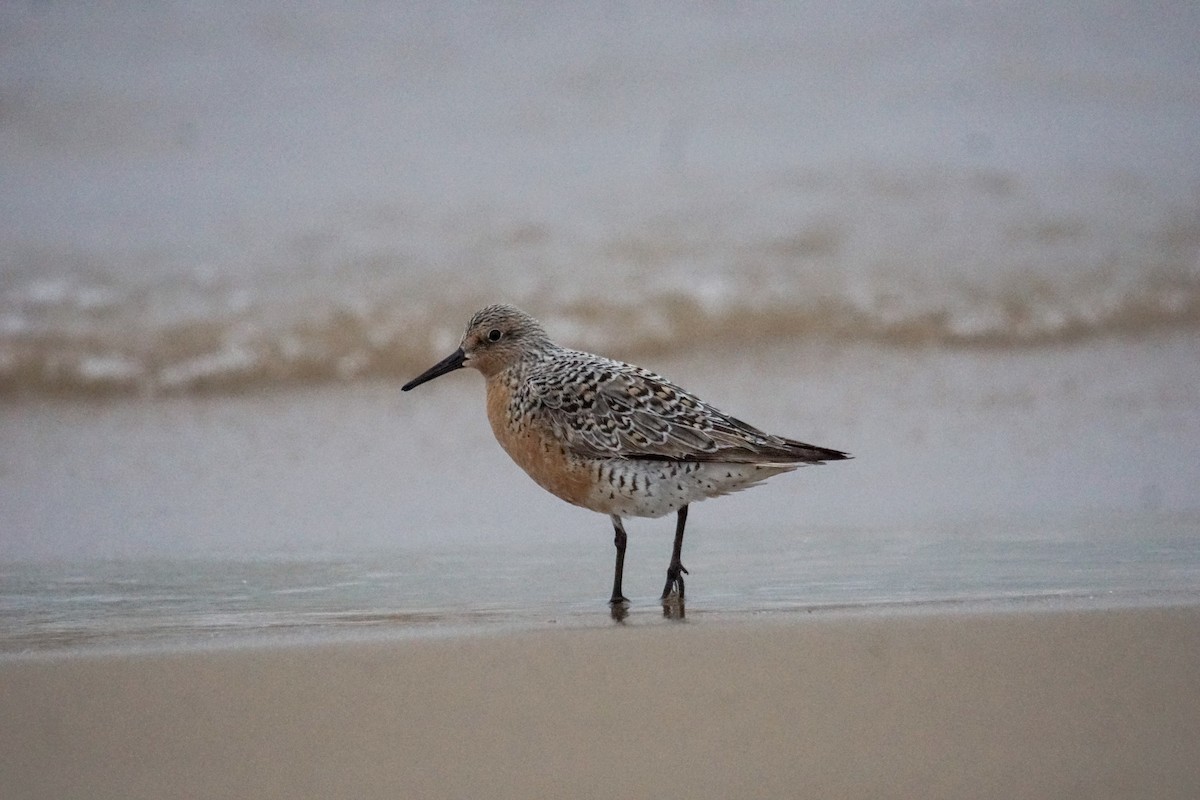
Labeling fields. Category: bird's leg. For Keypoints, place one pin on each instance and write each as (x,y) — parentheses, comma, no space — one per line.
(676,570)
(618,540)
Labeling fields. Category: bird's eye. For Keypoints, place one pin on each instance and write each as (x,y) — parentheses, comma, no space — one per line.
(494,335)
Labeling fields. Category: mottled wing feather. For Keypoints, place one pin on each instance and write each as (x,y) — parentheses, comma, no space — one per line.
(604,408)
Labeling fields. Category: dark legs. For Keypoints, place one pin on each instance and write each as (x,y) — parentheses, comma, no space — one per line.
(619,540)
(676,570)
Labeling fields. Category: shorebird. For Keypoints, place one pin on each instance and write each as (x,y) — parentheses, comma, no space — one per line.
(609,436)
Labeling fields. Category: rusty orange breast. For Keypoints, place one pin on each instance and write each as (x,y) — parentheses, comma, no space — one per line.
(530,442)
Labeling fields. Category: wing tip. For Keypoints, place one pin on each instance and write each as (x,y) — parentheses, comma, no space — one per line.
(813,454)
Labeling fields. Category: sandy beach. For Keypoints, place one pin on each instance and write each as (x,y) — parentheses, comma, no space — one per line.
(1028,704)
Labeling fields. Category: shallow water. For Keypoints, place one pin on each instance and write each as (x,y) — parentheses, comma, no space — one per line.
(169,603)
(370,511)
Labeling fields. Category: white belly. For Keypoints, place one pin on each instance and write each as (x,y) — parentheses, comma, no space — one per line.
(643,488)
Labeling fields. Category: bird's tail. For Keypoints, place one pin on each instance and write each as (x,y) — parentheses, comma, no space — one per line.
(792,450)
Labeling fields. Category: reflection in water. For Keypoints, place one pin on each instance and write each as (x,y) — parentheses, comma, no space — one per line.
(673,607)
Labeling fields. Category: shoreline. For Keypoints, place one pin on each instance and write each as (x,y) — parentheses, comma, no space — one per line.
(1041,703)
(395,628)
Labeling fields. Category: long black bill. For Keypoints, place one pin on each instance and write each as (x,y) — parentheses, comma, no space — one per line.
(448,364)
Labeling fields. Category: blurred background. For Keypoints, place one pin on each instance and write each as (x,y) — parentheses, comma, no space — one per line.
(959,240)
(214,196)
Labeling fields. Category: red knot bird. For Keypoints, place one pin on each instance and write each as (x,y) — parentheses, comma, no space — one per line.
(609,436)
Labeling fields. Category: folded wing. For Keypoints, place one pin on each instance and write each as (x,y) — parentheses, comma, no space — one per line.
(615,410)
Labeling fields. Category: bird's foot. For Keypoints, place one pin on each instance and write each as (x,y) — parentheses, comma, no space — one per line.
(674,586)
(619,610)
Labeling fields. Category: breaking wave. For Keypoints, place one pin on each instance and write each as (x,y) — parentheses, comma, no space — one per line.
(107,351)
(969,259)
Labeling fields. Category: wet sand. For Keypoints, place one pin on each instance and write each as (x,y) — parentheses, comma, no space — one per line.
(1045,703)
